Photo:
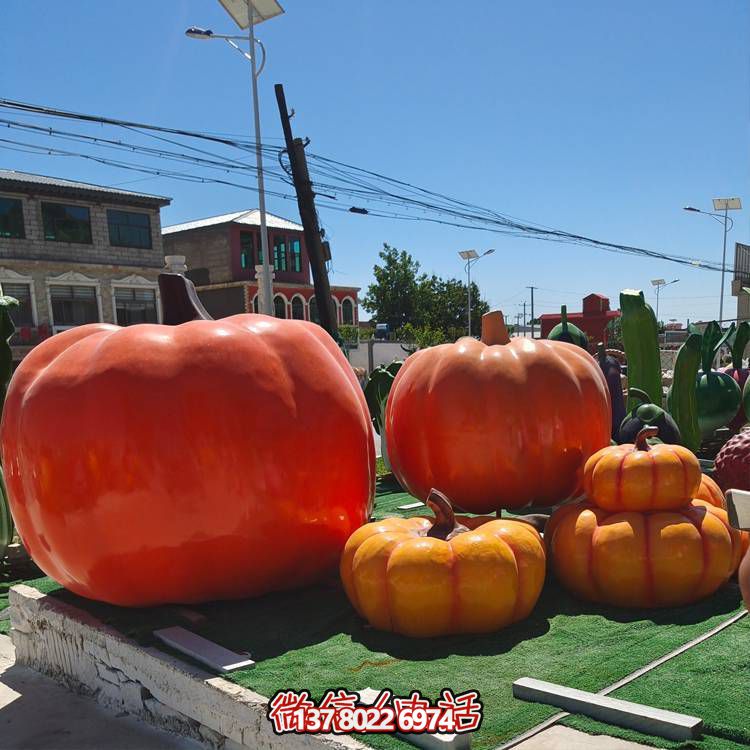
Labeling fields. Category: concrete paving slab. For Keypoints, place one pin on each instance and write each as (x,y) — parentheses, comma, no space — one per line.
(38,714)
(564,738)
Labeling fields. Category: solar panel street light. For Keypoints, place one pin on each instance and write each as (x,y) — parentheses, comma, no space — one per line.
(247,14)
(471,257)
(723,206)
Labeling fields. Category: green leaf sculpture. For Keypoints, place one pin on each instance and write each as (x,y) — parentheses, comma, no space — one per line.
(640,338)
(377,388)
(682,402)
(7,329)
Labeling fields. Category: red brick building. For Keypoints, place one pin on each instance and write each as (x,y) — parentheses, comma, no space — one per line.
(592,321)
(221,253)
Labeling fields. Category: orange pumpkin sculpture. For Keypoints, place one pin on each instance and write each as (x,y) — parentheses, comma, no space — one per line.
(653,559)
(642,477)
(497,423)
(710,492)
(182,463)
(422,578)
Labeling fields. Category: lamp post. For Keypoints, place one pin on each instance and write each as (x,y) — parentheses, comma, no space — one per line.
(659,283)
(246,14)
(471,257)
(726,205)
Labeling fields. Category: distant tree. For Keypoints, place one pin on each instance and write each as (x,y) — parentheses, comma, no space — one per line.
(393,298)
(614,334)
(401,295)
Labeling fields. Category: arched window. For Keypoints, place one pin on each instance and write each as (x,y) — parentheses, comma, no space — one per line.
(256,305)
(298,308)
(314,310)
(347,312)
(279,306)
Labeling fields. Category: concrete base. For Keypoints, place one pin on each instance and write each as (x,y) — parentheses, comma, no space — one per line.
(90,658)
(38,714)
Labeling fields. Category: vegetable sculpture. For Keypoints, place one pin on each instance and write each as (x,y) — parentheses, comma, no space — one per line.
(639,540)
(682,401)
(613,375)
(377,388)
(631,559)
(7,329)
(732,465)
(642,477)
(710,492)
(565,331)
(208,460)
(739,373)
(448,575)
(640,337)
(717,393)
(647,414)
(497,423)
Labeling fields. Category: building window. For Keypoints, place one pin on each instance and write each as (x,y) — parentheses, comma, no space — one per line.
(11,219)
(279,306)
(135,306)
(247,250)
(129,229)
(347,312)
(314,310)
(64,223)
(23,315)
(296,251)
(279,254)
(73,305)
(298,308)
(256,303)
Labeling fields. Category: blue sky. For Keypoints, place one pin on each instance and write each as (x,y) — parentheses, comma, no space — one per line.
(598,118)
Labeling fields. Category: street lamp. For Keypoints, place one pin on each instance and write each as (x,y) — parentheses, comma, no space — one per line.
(471,257)
(659,283)
(246,14)
(725,205)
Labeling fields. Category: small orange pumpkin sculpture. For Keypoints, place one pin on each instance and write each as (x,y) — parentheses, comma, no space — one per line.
(422,577)
(497,423)
(642,476)
(710,492)
(631,559)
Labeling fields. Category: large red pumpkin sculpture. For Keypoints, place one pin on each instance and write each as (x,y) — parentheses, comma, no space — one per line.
(497,423)
(207,460)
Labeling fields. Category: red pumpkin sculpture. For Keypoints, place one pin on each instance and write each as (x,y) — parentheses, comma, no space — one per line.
(497,423)
(184,463)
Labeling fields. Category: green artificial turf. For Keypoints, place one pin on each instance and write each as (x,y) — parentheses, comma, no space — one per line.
(711,681)
(311,639)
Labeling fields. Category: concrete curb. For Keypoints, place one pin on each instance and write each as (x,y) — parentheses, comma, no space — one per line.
(90,658)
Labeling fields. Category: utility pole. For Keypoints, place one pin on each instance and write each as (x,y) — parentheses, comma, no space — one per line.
(524,318)
(306,202)
(518,323)
(532,309)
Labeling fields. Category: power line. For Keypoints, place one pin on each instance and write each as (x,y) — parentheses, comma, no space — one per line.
(333,180)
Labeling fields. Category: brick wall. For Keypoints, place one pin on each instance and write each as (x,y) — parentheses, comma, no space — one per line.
(35,247)
(203,248)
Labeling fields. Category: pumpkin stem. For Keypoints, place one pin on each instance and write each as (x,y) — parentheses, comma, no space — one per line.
(445,518)
(494,330)
(179,300)
(644,434)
